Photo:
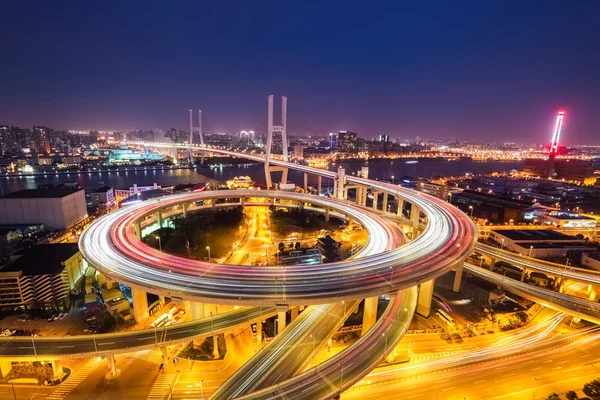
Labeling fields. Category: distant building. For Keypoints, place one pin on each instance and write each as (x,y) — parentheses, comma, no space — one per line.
(591,260)
(346,142)
(55,207)
(564,219)
(299,152)
(103,197)
(41,275)
(435,189)
(384,138)
(571,170)
(122,194)
(490,207)
(540,243)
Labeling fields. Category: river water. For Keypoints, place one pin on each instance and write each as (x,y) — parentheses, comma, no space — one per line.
(378,169)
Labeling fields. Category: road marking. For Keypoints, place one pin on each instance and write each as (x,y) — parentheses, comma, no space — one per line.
(161,386)
(450,388)
(475,383)
(535,369)
(75,379)
(587,355)
(105,344)
(65,347)
(416,395)
(510,374)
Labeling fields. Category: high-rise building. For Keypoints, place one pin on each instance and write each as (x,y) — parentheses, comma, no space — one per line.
(298,152)
(384,138)
(347,142)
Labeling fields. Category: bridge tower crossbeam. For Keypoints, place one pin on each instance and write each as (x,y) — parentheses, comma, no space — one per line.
(271,128)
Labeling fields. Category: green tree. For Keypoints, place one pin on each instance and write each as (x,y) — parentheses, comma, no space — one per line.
(553,396)
(522,316)
(592,389)
(297,245)
(281,247)
(571,395)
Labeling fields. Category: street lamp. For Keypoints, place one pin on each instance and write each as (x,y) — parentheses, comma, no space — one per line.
(471,208)
(530,248)
(208,248)
(502,247)
(313,338)
(201,390)
(159,243)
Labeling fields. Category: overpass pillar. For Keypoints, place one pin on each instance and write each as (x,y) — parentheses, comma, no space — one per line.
(425,297)
(294,313)
(259,332)
(364,197)
(284,175)
(305,182)
(140,304)
(319,184)
(165,357)
(216,347)
(138,230)
(327,214)
(57,369)
(161,300)
(400,207)
(341,183)
(492,264)
(281,315)
(385,201)
(159,218)
(345,192)
(457,279)
(242,201)
(214,204)
(414,218)
(335,188)
(369,313)
(112,366)
(375,200)
(592,295)
(185,210)
(5,367)
(523,273)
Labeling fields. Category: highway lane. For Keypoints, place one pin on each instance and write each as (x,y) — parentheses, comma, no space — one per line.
(540,369)
(349,366)
(288,353)
(121,342)
(110,245)
(582,308)
(578,274)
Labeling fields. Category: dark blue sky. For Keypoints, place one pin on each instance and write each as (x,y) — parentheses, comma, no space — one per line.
(468,70)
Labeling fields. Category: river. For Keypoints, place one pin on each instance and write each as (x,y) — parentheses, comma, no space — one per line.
(378,169)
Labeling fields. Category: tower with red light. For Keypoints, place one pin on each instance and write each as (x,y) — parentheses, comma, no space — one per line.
(554,144)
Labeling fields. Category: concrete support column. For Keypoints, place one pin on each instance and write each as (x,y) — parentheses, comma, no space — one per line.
(345,192)
(284,175)
(165,357)
(5,367)
(294,313)
(216,347)
(335,188)
(305,182)
(112,365)
(385,202)
(369,313)
(375,200)
(327,214)
(140,304)
(185,210)
(319,184)
(197,310)
(159,218)
(592,295)
(425,297)
(364,197)
(57,369)
(523,273)
(358,195)
(161,299)
(342,182)
(457,279)
(214,204)
(138,230)
(350,222)
(281,315)
(400,207)
(414,218)
(259,331)
(242,201)
(492,264)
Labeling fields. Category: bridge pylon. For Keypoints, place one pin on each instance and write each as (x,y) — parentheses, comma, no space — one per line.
(271,128)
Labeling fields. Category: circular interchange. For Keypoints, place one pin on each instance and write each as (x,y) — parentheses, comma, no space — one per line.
(111,246)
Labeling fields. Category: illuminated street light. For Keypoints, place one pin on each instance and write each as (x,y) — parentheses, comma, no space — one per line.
(159,243)
(208,248)
(530,248)
(471,208)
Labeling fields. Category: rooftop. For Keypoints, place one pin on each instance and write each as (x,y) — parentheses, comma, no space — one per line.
(44,259)
(46,193)
(537,235)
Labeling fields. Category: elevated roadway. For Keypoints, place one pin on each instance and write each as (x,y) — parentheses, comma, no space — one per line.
(40,347)
(581,308)
(577,274)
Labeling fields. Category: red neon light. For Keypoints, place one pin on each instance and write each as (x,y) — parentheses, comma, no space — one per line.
(556,133)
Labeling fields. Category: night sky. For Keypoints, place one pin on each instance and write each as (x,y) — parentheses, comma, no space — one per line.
(490,70)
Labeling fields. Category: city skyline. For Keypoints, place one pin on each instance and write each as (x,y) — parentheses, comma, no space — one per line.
(451,73)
